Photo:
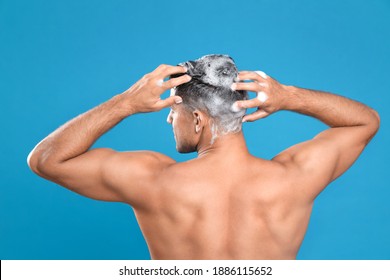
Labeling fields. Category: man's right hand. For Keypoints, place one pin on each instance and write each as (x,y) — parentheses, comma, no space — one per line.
(271,95)
(144,95)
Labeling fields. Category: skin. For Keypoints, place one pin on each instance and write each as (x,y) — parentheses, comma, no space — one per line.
(226,203)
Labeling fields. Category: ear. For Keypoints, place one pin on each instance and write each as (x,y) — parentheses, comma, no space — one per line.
(199,120)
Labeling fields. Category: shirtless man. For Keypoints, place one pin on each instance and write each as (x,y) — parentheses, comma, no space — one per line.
(226,203)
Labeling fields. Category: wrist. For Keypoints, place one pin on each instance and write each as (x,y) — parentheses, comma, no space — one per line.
(124,105)
(291,98)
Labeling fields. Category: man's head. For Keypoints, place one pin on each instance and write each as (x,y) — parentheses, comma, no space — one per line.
(207,102)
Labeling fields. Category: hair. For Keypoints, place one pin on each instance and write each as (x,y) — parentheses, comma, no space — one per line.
(216,101)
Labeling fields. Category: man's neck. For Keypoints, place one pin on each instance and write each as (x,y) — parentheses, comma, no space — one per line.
(233,143)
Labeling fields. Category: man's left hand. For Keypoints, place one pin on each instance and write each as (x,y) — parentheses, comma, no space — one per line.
(271,95)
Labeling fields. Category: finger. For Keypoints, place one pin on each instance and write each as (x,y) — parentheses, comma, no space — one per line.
(170,70)
(165,68)
(259,114)
(174,82)
(251,103)
(252,75)
(254,86)
(245,72)
(164,103)
(261,73)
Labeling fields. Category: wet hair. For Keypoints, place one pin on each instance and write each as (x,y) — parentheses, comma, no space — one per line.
(209,91)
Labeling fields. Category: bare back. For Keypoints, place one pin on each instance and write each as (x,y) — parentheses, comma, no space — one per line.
(215,208)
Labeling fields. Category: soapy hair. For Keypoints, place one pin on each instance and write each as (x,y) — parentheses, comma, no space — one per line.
(216,102)
(209,90)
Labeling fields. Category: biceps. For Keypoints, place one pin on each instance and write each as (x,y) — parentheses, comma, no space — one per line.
(84,175)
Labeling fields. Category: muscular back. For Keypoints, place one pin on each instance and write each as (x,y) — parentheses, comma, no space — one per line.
(210,208)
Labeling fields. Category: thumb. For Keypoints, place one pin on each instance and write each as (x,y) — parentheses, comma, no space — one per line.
(163,103)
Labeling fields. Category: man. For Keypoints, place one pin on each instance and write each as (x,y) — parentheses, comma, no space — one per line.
(226,203)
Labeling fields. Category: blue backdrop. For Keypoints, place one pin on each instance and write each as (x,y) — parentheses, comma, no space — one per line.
(62,58)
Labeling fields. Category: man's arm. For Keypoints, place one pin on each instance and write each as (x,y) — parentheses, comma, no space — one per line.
(315,163)
(64,156)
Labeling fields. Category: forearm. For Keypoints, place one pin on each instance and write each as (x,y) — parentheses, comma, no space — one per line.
(333,110)
(78,135)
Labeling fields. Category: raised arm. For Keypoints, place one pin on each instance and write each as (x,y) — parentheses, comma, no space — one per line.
(65,157)
(315,163)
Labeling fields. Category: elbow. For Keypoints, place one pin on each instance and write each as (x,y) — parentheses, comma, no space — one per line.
(33,162)
(33,159)
(376,120)
(373,124)
(38,162)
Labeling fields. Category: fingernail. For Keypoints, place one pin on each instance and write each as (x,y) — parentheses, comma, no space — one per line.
(178,100)
(185,69)
(189,77)
(243,120)
(233,86)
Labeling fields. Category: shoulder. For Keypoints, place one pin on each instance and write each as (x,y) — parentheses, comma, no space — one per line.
(134,174)
(302,155)
(138,163)
(142,157)
(309,167)
(144,163)
(276,170)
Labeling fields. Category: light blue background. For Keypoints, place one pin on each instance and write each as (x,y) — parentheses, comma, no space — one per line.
(62,58)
